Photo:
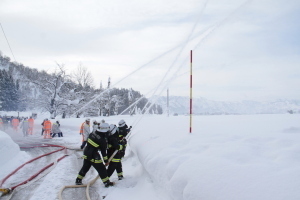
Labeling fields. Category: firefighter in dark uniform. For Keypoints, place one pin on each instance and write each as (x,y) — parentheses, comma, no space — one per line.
(123,132)
(96,141)
(113,145)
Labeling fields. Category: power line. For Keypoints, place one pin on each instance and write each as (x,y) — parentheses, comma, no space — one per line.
(8,43)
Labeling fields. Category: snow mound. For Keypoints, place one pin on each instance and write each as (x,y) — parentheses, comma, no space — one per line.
(11,156)
(226,157)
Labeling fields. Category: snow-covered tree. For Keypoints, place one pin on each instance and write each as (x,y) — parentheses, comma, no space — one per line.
(9,92)
(83,77)
(23,88)
(52,96)
(131,100)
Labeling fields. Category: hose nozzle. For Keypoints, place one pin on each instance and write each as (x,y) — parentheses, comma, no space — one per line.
(4,191)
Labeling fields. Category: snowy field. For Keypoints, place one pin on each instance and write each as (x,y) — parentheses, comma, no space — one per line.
(232,157)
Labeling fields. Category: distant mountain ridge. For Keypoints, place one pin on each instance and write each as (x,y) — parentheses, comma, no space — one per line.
(180,105)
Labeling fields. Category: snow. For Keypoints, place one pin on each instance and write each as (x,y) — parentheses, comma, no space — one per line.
(225,157)
(11,156)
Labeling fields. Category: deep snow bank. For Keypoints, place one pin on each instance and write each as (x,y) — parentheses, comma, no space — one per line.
(226,157)
(11,156)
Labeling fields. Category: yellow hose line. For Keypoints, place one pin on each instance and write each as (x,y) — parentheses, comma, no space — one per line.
(88,187)
(78,186)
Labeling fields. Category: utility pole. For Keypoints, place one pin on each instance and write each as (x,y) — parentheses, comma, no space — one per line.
(191,81)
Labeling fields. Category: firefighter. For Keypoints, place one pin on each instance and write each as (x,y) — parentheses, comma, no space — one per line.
(47,129)
(113,145)
(25,126)
(92,157)
(95,126)
(15,123)
(31,124)
(123,132)
(123,129)
(104,128)
(85,131)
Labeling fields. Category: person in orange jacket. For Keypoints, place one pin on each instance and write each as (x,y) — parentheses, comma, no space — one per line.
(15,124)
(47,129)
(31,124)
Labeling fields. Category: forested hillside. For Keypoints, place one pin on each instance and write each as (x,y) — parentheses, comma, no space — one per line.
(24,88)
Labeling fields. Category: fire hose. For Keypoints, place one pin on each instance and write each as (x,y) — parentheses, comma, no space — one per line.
(4,191)
(93,181)
(86,185)
(78,186)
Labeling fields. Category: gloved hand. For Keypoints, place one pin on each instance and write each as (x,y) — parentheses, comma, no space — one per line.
(123,142)
(80,133)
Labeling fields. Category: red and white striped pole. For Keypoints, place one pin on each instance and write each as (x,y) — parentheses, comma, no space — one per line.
(191,91)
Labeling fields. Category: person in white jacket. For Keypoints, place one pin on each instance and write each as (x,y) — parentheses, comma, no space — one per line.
(56,129)
(25,126)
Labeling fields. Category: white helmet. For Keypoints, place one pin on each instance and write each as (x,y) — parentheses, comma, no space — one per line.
(122,123)
(103,121)
(112,129)
(104,127)
(87,119)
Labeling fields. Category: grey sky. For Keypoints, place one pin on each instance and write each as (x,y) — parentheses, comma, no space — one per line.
(241,49)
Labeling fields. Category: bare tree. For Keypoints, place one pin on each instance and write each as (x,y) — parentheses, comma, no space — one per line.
(53,89)
(83,77)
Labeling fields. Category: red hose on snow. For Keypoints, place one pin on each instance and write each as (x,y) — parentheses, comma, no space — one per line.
(35,175)
(32,177)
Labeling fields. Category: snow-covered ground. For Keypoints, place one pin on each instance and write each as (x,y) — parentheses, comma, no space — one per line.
(229,157)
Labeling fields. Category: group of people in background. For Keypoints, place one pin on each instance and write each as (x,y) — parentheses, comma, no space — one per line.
(50,130)
(110,140)
(24,123)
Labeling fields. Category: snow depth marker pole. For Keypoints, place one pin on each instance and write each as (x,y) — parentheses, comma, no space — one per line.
(191,92)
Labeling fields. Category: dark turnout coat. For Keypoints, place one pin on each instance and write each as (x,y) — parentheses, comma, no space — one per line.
(94,143)
(114,144)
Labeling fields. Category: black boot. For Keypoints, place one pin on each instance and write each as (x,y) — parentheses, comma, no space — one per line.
(120,177)
(78,181)
(108,184)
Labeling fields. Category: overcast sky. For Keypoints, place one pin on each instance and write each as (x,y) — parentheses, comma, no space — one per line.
(242,50)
